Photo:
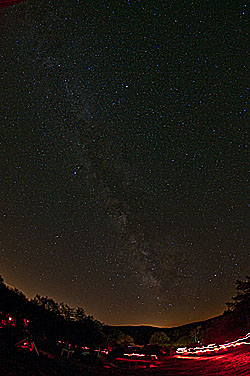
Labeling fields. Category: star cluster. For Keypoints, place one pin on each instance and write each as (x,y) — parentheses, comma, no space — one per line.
(124,156)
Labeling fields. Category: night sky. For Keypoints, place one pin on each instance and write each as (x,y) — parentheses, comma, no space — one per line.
(124,156)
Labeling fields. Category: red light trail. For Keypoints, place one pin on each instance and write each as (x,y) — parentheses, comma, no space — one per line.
(213,348)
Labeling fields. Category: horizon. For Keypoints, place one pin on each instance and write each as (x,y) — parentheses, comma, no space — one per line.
(115,325)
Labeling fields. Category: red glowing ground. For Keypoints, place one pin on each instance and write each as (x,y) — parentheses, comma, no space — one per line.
(236,362)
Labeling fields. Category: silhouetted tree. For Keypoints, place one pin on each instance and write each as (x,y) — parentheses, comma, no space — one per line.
(241,302)
(160,339)
(47,303)
(12,300)
(92,332)
(240,306)
(125,340)
(235,321)
(116,337)
(79,314)
(66,312)
(184,341)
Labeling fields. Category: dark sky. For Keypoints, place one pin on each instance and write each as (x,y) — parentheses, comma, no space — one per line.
(124,156)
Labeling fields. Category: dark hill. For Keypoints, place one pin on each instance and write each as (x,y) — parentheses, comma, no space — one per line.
(142,333)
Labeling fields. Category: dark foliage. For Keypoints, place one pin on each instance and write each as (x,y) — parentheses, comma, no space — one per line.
(235,321)
(50,320)
(241,302)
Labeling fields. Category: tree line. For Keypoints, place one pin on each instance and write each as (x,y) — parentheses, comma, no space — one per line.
(50,321)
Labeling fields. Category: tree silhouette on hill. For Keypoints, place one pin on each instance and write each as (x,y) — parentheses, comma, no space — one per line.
(241,302)
(240,305)
(50,319)
(159,338)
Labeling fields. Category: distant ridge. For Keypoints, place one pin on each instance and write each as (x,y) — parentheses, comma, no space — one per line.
(142,333)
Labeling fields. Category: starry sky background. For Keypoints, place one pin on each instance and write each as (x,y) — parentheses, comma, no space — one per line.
(124,156)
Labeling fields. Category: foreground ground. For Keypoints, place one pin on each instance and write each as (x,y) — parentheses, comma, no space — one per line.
(18,363)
